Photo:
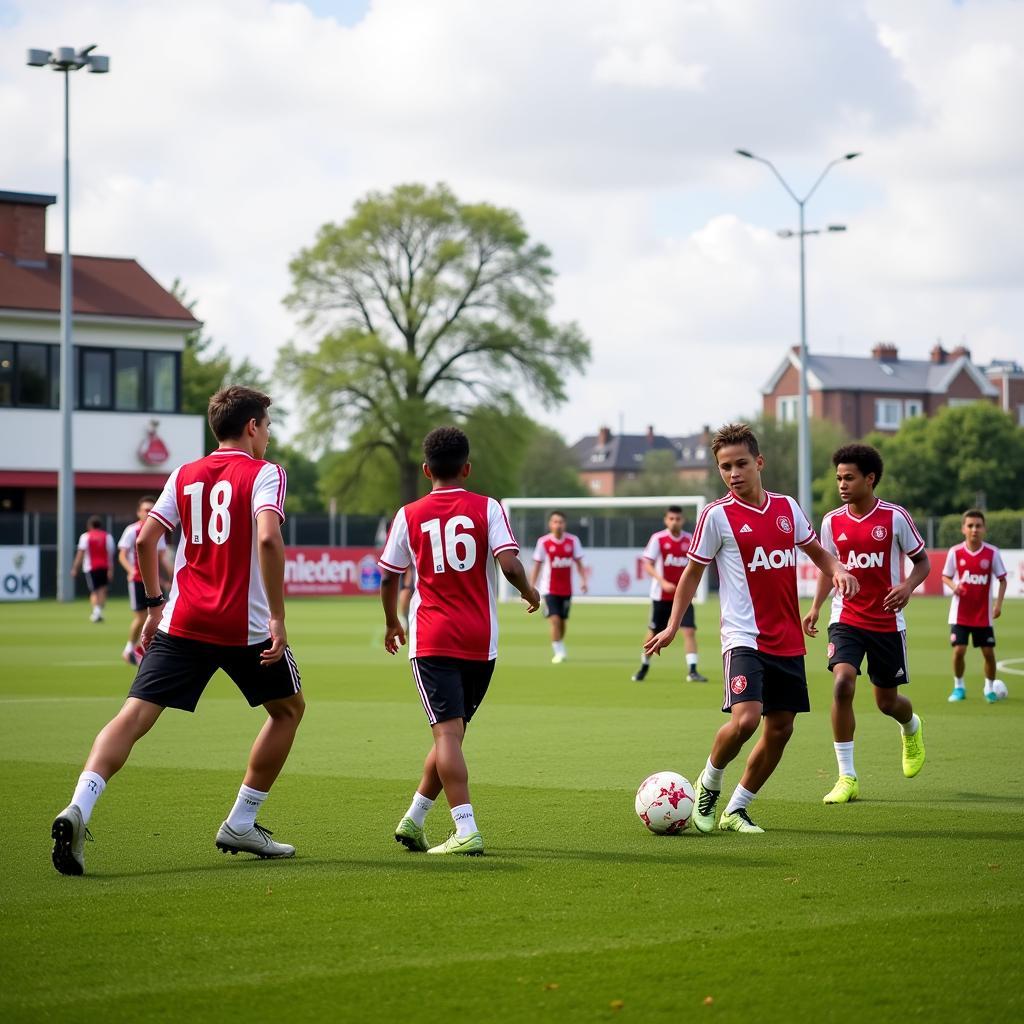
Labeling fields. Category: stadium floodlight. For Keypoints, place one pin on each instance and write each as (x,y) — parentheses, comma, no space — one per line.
(66,59)
(803,427)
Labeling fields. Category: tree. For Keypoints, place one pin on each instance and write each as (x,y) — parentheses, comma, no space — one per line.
(658,475)
(549,467)
(427,309)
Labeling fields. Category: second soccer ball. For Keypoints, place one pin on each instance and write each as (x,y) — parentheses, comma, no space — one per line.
(664,802)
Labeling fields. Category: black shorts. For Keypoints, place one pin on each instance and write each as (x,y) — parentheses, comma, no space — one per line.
(886,653)
(661,611)
(983,636)
(137,595)
(174,672)
(95,579)
(778,682)
(451,687)
(555,604)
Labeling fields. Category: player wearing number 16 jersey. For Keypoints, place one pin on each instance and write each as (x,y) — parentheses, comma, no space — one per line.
(226,610)
(452,538)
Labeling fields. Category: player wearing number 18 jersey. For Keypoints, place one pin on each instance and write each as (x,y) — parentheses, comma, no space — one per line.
(452,538)
(871,538)
(226,610)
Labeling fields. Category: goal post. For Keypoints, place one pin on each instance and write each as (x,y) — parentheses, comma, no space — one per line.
(612,545)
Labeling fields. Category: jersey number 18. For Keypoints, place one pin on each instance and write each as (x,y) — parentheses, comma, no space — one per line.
(219,525)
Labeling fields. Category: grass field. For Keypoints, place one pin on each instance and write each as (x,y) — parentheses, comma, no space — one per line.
(904,906)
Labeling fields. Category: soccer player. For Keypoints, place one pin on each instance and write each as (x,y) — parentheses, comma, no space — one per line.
(452,537)
(871,538)
(136,588)
(665,559)
(968,572)
(226,610)
(95,557)
(752,535)
(553,559)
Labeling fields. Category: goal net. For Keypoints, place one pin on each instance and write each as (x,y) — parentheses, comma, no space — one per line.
(613,533)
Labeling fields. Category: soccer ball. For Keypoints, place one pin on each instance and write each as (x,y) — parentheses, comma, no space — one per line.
(999,689)
(664,803)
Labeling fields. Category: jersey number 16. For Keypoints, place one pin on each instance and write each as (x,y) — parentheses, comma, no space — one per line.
(457,549)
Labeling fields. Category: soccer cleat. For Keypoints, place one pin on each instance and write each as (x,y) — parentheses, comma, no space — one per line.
(558,659)
(991,696)
(739,821)
(411,836)
(257,840)
(69,835)
(913,752)
(959,693)
(845,791)
(704,812)
(467,846)
(693,676)
(641,673)
(128,656)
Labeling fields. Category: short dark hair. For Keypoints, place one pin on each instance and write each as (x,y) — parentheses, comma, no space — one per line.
(972,513)
(446,451)
(863,456)
(556,512)
(677,509)
(146,499)
(95,523)
(734,433)
(231,408)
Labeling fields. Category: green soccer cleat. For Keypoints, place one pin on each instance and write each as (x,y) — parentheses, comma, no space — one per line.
(69,835)
(467,846)
(704,813)
(557,659)
(411,836)
(958,694)
(739,821)
(913,752)
(991,696)
(845,791)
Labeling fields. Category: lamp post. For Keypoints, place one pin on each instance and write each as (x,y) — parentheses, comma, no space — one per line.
(803,429)
(67,59)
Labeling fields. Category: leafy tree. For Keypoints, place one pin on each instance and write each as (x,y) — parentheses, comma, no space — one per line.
(658,476)
(549,467)
(426,309)
(303,478)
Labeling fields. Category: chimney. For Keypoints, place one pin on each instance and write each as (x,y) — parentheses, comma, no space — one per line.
(23,227)
(604,435)
(886,352)
(960,350)
(939,354)
(650,436)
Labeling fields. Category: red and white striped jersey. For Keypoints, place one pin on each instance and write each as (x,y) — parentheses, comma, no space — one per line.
(127,545)
(975,570)
(755,549)
(218,595)
(450,536)
(98,546)
(667,553)
(556,558)
(872,548)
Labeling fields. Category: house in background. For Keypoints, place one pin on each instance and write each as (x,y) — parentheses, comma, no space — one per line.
(606,460)
(877,392)
(1008,378)
(129,334)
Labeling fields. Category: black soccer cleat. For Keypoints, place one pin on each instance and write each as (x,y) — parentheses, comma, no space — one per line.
(641,673)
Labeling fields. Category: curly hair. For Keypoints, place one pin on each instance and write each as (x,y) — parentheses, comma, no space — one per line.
(446,451)
(863,456)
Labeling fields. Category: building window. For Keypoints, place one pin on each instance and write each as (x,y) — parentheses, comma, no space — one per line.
(787,409)
(912,407)
(31,373)
(129,375)
(887,413)
(162,381)
(95,368)
(957,402)
(6,373)
(595,484)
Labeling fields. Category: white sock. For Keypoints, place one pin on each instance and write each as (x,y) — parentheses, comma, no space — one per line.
(844,756)
(558,646)
(89,789)
(988,685)
(465,823)
(247,805)
(713,776)
(418,808)
(129,647)
(740,800)
(645,659)
(958,682)
(912,726)
(691,660)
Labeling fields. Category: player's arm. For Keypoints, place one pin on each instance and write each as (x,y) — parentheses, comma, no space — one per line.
(512,569)
(845,582)
(167,565)
(651,568)
(122,559)
(997,607)
(77,563)
(822,589)
(583,575)
(534,573)
(900,595)
(146,545)
(951,584)
(685,589)
(394,634)
(270,552)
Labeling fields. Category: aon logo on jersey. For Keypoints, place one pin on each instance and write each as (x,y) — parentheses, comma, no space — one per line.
(874,560)
(976,578)
(771,559)
(561,562)
(675,560)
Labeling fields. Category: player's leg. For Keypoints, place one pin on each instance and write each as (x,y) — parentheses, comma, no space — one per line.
(844,724)
(689,628)
(988,654)
(744,719)
(889,669)
(558,614)
(101,599)
(958,640)
(134,633)
(660,611)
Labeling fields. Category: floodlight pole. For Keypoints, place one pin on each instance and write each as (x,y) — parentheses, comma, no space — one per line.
(65,60)
(803,426)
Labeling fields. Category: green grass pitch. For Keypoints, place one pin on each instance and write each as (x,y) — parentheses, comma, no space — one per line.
(904,906)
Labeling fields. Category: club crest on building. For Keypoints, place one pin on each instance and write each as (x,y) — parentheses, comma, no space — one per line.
(152,451)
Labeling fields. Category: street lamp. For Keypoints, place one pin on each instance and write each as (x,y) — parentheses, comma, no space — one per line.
(803,430)
(66,59)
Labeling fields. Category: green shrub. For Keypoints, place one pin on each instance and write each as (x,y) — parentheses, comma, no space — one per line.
(1004,530)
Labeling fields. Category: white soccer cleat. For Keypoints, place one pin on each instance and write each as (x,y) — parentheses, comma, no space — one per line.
(69,834)
(999,689)
(257,841)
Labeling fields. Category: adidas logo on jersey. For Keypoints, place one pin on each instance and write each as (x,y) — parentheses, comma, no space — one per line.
(876,559)
(899,674)
(776,559)
(841,536)
(745,529)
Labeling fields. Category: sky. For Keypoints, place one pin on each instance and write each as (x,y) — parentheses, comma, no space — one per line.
(228,131)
